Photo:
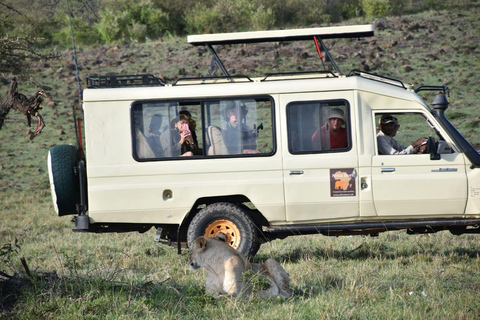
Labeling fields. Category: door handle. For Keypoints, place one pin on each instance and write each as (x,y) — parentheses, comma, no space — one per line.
(388,170)
(296,172)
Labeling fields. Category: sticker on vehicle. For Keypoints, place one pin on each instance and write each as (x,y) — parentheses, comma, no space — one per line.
(342,182)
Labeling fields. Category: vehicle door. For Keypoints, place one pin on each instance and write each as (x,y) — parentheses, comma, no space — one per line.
(406,185)
(320,171)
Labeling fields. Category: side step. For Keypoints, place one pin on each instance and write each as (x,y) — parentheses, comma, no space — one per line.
(456,226)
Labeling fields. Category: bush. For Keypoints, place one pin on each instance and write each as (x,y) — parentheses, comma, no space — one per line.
(445,4)
(228,16)
(313,12)
(83,32)
(122,21)
(107,21)
(350,9)
(377,8)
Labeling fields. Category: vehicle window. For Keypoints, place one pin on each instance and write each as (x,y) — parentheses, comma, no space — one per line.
(227,127)
(398,133)
(318,126)
(241,126)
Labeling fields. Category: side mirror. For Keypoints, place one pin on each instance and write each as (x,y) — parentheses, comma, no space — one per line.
(432,148)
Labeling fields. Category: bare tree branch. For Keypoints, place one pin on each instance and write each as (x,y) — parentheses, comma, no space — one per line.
(16,11)
(16,54)
(28,106)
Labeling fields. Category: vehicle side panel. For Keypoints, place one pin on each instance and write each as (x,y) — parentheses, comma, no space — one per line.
(123,190)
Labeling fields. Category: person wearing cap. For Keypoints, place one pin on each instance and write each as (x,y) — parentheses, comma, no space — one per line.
(237,135)
(178,141)
(389,126)
(332,135)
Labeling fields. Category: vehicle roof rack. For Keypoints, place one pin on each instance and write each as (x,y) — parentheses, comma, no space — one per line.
(377,77)
(354,31)
(300,73)
(443,88)
(202,80)
(120,81)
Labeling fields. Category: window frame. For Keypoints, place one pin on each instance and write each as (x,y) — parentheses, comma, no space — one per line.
(399,114)
(206,120)
(341,102)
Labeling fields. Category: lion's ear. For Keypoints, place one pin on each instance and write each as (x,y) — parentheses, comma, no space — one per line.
(201,244)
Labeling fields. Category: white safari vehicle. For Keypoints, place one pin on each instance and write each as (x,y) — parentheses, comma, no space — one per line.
(257,159)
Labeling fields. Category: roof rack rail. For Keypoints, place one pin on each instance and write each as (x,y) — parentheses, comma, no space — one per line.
(295,73)
(443,88)
(203,80)
(376,77)
(120,81)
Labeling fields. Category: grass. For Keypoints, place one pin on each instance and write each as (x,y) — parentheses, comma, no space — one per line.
(129,276)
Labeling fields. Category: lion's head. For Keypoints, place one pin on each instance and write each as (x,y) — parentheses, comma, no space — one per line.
(199,246)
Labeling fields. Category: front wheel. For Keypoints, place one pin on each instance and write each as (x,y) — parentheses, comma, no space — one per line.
(229,221)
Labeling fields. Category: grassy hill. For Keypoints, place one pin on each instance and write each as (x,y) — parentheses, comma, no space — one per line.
(129,276)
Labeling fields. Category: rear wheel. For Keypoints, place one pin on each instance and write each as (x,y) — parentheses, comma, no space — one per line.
(64,183)
(228,221)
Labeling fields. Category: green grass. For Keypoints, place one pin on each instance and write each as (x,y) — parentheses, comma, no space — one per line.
(129,276)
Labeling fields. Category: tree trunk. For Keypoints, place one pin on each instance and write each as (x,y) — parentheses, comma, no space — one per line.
(6,102)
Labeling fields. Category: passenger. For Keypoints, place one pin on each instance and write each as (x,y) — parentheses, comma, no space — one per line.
(154,135)
(237,135)
(389,126)
(192,125)
(332,135)
(178,141)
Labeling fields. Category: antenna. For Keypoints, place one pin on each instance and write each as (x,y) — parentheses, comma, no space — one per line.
(78,75)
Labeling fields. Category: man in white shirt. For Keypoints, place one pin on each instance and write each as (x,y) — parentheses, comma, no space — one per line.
(388,126)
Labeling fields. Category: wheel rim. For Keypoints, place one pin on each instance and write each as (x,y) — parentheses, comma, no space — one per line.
(227,228)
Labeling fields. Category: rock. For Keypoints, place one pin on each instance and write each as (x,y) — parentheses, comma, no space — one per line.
(379,25)
(413,27)
(364,66)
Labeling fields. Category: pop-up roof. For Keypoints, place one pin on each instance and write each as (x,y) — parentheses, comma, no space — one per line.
(315,34)
(354,31)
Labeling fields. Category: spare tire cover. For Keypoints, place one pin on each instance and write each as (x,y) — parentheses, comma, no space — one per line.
(64,184)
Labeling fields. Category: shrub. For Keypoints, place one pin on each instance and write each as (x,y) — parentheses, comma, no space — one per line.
(262,19)
(82,29)
(228,16)
(444,4)
(122,21)
(377,8)
(313,12)
(350,9)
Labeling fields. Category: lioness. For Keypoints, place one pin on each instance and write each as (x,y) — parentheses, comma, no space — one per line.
(226,267)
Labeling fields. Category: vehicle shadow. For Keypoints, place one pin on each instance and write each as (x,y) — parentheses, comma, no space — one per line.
(365,251)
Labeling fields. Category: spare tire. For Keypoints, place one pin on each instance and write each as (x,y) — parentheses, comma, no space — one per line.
(64,183)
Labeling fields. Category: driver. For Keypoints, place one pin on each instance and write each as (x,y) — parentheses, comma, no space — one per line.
(389,126)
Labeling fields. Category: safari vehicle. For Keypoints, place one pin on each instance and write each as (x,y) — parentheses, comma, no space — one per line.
(273,181)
